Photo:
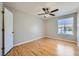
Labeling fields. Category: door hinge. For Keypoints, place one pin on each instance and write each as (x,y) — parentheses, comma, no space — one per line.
(2,48)
(2,29)
(3,12)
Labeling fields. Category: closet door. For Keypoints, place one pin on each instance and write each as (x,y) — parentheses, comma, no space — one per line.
(8,30)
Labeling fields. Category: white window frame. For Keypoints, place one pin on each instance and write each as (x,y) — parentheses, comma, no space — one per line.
(63,31)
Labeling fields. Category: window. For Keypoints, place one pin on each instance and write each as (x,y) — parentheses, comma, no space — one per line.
(65,26)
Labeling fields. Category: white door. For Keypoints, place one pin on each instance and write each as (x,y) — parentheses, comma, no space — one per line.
(8,28)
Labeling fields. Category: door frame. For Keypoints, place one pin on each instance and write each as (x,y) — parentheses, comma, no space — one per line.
(3,37)
(3,33)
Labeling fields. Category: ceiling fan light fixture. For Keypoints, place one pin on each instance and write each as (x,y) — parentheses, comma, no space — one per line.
(47,15)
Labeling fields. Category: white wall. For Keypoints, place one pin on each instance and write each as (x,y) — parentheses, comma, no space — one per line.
(0,27)
(78,28)
(51,28)
(27,27)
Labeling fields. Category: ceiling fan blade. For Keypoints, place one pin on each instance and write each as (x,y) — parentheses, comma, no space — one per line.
(47,10)
(42,14)
(54,10)
(43,9)
(52,14)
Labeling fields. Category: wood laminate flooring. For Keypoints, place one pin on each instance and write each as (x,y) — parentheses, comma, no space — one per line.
(45,47)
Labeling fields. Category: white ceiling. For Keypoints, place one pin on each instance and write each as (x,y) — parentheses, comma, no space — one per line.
(36,7)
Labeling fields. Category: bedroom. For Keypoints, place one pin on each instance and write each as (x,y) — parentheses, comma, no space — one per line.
(39,28)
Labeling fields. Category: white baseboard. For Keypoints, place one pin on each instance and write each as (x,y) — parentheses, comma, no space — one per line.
(62,39)
(28,41)
(40,38)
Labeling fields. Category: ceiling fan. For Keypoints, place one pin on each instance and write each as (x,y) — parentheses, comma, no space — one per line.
(47,12)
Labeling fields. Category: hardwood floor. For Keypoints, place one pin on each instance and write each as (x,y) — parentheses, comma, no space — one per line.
(45,47)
